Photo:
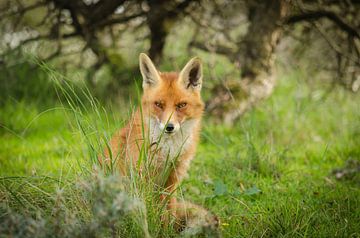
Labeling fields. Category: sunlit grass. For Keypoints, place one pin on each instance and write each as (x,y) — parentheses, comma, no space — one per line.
(90,129)
(270,175)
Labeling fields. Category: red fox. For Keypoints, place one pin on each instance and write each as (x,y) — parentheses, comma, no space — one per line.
(170,113)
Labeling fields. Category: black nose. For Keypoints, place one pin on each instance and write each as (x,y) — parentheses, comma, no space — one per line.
(169,127)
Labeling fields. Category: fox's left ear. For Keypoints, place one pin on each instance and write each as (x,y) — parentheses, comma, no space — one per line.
(191,75)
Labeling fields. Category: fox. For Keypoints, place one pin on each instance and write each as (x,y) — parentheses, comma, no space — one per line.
(171,111)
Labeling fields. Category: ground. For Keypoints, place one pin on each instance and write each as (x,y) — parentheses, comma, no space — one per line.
(269,175)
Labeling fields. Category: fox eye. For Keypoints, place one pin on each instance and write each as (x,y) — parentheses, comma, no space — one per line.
(181,105)
(159,104)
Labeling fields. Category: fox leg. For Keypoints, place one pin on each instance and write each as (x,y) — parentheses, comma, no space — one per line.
(172,181)
(175,177)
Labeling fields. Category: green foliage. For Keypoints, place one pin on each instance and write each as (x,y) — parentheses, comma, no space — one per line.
(22,80)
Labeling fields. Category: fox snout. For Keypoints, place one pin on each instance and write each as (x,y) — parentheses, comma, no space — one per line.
(169,127)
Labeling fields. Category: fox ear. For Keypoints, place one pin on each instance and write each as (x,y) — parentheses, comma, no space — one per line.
(191,75)
(148,71)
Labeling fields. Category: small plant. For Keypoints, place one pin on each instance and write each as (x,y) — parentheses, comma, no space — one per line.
(97,206)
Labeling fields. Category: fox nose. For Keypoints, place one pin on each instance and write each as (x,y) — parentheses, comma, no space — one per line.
(169,128)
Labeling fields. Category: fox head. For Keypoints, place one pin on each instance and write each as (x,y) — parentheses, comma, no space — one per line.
(171,99)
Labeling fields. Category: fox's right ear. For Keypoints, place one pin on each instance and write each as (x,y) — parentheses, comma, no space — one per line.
(191,75)
(148,71)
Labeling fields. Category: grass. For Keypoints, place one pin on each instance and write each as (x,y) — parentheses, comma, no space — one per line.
(270,175)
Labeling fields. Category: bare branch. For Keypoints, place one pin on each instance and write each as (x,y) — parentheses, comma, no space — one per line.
(113,21)
(316,15)
(173,13)
(218,49)
(334,46)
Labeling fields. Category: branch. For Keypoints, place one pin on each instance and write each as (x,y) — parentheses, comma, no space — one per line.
(334,46)
(113,21)
(316,15)
(218,49)
(178,9)
(102,9)
(205,24)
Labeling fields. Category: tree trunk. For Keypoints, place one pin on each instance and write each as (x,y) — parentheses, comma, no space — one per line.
(159,26)
(160,19)
(158,33)
(256,57)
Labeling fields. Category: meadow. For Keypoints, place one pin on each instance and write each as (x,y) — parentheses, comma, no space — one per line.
(288,168)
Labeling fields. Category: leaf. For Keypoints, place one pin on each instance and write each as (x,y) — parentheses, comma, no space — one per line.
(252,191)
(220,188)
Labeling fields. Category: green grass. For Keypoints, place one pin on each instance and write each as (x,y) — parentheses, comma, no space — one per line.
(270,175)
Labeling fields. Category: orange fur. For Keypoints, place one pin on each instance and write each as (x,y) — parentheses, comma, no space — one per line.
(163,100)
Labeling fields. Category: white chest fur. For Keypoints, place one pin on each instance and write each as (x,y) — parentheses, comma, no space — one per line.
(173,145)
